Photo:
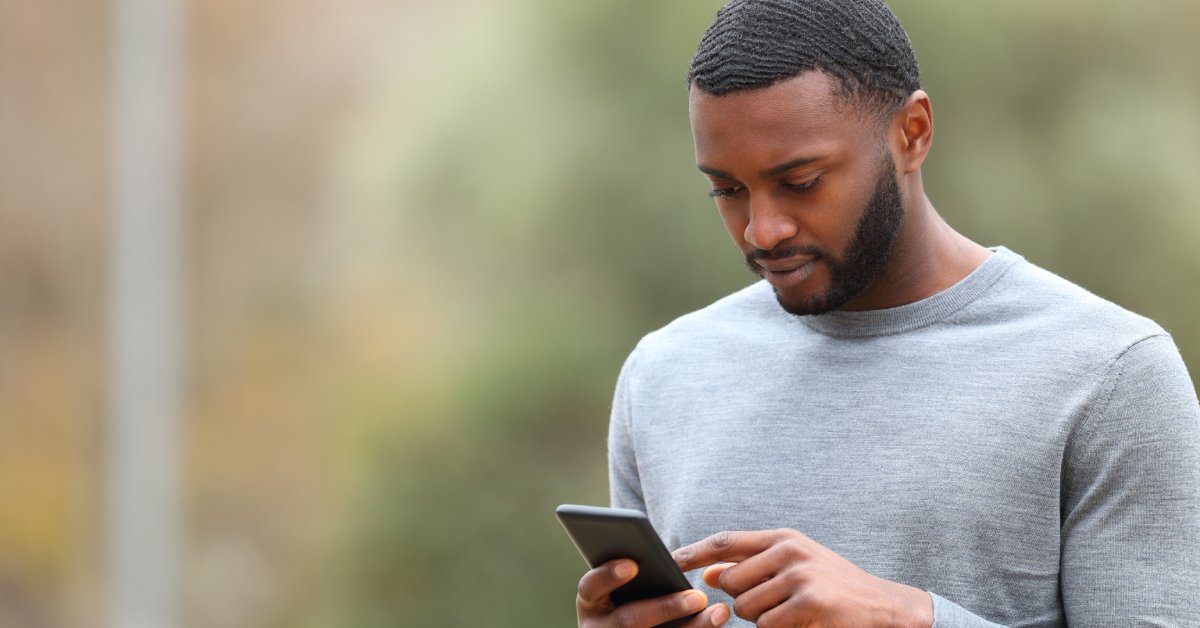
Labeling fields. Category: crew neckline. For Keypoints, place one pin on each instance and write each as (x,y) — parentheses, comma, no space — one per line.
(911,316)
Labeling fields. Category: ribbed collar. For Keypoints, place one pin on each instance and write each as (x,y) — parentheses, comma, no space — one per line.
(897,320)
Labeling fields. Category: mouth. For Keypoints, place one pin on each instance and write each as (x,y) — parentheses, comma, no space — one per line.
(786,273)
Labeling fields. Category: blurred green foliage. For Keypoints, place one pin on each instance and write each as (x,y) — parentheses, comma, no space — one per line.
(535,168)
(422,238)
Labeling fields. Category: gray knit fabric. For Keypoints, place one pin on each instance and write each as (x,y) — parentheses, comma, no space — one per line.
(1023,450)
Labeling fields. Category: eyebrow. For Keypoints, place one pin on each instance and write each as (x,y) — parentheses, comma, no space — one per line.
(766,174)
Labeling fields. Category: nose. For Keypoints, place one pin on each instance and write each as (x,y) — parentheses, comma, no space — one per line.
(769,225)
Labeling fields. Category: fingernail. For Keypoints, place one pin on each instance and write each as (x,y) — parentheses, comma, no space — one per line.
(624,570)
(694,601)
(720,616)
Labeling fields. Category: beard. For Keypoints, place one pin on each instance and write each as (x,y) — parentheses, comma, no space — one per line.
(868,251)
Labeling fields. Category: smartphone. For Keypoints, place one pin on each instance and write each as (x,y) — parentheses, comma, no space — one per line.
(604,534)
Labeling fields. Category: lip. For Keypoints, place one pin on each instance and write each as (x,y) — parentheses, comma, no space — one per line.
(787,273)
(784,265)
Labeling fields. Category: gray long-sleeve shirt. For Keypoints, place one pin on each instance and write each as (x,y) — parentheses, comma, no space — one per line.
(1023,450)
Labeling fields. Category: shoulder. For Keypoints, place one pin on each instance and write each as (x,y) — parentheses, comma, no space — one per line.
(739,320)
(1051,311)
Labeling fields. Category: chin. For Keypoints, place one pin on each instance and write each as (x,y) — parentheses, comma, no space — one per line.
(804,303)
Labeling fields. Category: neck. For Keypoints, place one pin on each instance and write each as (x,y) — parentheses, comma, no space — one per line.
(927,257)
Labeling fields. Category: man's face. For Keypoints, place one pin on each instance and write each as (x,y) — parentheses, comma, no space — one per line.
(805,185)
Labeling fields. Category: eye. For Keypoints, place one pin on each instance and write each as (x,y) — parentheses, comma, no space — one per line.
(719,192)
(802,187)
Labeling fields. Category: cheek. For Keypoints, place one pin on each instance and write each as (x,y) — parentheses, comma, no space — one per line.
(832,224)
(833,217)
(735,223)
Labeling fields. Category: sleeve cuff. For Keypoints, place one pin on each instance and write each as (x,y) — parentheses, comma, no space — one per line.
(947,614)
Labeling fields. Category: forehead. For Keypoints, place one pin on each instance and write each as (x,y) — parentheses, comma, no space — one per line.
(801,116)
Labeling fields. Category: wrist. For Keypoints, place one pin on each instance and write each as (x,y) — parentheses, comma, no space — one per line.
(916,610)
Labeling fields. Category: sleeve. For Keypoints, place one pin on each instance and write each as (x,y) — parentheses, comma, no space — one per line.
(1131,497)
(947,614)
(624,485)
(1130,552)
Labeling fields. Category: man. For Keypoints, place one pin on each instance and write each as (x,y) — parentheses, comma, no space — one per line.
(898,427)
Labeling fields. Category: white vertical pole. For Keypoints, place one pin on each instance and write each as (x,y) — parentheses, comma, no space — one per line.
(146,362)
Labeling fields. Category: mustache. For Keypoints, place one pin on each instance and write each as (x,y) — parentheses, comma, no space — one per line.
(783,253)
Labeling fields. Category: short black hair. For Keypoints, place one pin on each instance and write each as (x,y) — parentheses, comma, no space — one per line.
(756,43)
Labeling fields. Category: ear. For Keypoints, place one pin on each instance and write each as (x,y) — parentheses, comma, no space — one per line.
(913,128)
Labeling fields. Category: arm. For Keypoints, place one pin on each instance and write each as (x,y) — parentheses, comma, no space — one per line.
(1131,501)
(593,605)
(784,578)
(1130,525)
(624,484)
(1131,497)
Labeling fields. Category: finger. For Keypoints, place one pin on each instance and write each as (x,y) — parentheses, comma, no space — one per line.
(659,610)
(598,583)
(724,546)
(712,574)
(737,579)
(715,615)
(789,613)
(756,602)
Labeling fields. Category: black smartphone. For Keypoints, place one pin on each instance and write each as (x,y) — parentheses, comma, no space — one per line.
(604,534)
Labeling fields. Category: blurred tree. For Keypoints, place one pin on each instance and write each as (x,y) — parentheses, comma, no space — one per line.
(424,237)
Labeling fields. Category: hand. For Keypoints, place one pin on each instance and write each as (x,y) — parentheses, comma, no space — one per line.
(596,610)
(784,578)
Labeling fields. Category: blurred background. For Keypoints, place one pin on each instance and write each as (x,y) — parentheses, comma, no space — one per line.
(417,241)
